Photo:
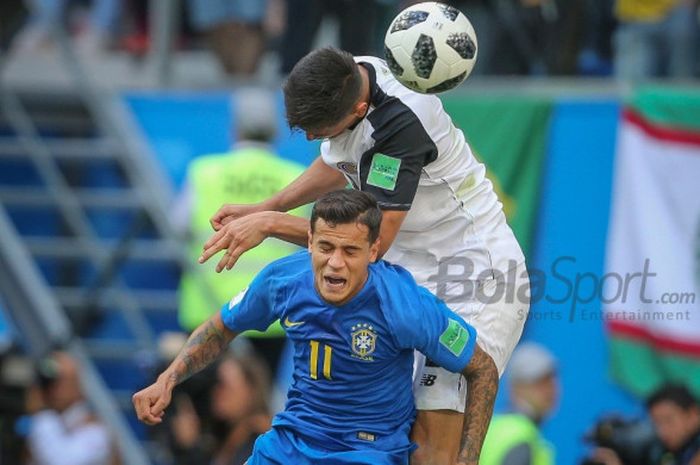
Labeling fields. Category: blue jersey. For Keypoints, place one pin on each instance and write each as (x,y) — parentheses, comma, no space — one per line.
(353,364)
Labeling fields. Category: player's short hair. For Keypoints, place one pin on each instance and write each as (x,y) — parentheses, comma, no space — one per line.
(348,206)
(676,394)
(321,89)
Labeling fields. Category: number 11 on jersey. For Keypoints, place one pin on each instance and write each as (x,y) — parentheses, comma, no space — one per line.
(313,360)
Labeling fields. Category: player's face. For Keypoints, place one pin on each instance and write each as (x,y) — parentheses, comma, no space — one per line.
(340,256)
(358,112)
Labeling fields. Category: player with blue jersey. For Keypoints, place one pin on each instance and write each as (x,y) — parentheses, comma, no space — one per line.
(441,217)
(354,322)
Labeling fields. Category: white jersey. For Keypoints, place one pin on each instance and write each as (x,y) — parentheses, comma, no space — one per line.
(410,156)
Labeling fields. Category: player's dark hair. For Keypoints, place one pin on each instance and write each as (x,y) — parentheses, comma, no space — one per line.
(321,89)
(676,394)
(348,206)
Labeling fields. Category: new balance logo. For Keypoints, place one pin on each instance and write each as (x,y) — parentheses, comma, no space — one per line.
(428,380)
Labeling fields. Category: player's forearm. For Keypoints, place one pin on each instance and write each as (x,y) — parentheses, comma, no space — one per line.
(482,386)
(317,180)
(204,345)
(288,227)
(391,224)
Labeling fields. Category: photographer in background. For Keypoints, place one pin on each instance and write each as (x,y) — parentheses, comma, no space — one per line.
(676,417)
(63,430)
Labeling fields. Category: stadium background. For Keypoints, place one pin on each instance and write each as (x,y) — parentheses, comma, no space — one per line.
(552,157)
(550,147)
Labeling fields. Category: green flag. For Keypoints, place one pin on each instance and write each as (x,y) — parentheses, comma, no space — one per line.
(509,135)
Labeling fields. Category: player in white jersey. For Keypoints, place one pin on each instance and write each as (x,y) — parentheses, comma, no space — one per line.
(441,218)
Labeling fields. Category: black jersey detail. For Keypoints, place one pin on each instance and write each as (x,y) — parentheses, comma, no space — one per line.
(399,135)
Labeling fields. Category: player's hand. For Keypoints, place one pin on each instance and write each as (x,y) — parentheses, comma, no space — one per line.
(150,403)
(236,237)
(230,211)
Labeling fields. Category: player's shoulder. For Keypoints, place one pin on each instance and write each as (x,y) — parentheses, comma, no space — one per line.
(401,299)
(393,280)
(288,268)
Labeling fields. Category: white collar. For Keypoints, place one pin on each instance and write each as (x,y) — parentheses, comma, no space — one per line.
(76,415)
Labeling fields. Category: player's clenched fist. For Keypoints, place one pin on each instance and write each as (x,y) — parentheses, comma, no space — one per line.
(150,403)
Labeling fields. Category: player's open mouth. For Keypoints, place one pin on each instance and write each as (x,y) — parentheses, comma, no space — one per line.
(334,282)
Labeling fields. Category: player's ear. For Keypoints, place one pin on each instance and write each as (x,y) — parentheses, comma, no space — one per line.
(374,251)
(360,109)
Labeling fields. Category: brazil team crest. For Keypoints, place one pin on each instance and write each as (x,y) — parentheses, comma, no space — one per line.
(364,340)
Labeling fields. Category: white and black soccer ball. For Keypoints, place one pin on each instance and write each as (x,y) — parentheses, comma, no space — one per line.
(430,47)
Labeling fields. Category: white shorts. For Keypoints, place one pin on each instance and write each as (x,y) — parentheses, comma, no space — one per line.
(499,324)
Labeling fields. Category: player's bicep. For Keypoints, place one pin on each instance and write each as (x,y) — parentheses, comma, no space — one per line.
(392,170)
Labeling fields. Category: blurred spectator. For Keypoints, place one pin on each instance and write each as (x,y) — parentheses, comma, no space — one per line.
(16,376)
(93,33)
(521,43)
(357,21)
(63,429)
(514,438)
(239,408)
(234,31)
(676,417)
(12,15)
(655,38)
(249,173)
(596,55)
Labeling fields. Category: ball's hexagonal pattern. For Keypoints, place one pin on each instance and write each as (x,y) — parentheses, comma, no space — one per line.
(430,47)
(449,11)
(408,19)
(394,66)
(462,44)
(424,56)
(447,84)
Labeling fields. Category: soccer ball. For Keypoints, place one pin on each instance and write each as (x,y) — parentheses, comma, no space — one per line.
(430,47)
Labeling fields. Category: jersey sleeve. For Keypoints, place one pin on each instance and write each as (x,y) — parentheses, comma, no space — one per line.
(392,169)
(429,326)
(254,307)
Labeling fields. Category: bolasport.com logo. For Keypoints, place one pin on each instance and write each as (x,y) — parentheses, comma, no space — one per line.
(570,291)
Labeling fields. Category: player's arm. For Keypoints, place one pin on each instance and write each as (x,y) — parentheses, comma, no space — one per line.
(205,344)
(391,224)
(482,385)
(315,181)
(239,228)
(392,173)
(242,234)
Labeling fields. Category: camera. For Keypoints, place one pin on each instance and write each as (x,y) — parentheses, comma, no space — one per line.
(631,439)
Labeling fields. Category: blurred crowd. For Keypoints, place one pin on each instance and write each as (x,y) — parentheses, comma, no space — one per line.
(217,415)
(631,39)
